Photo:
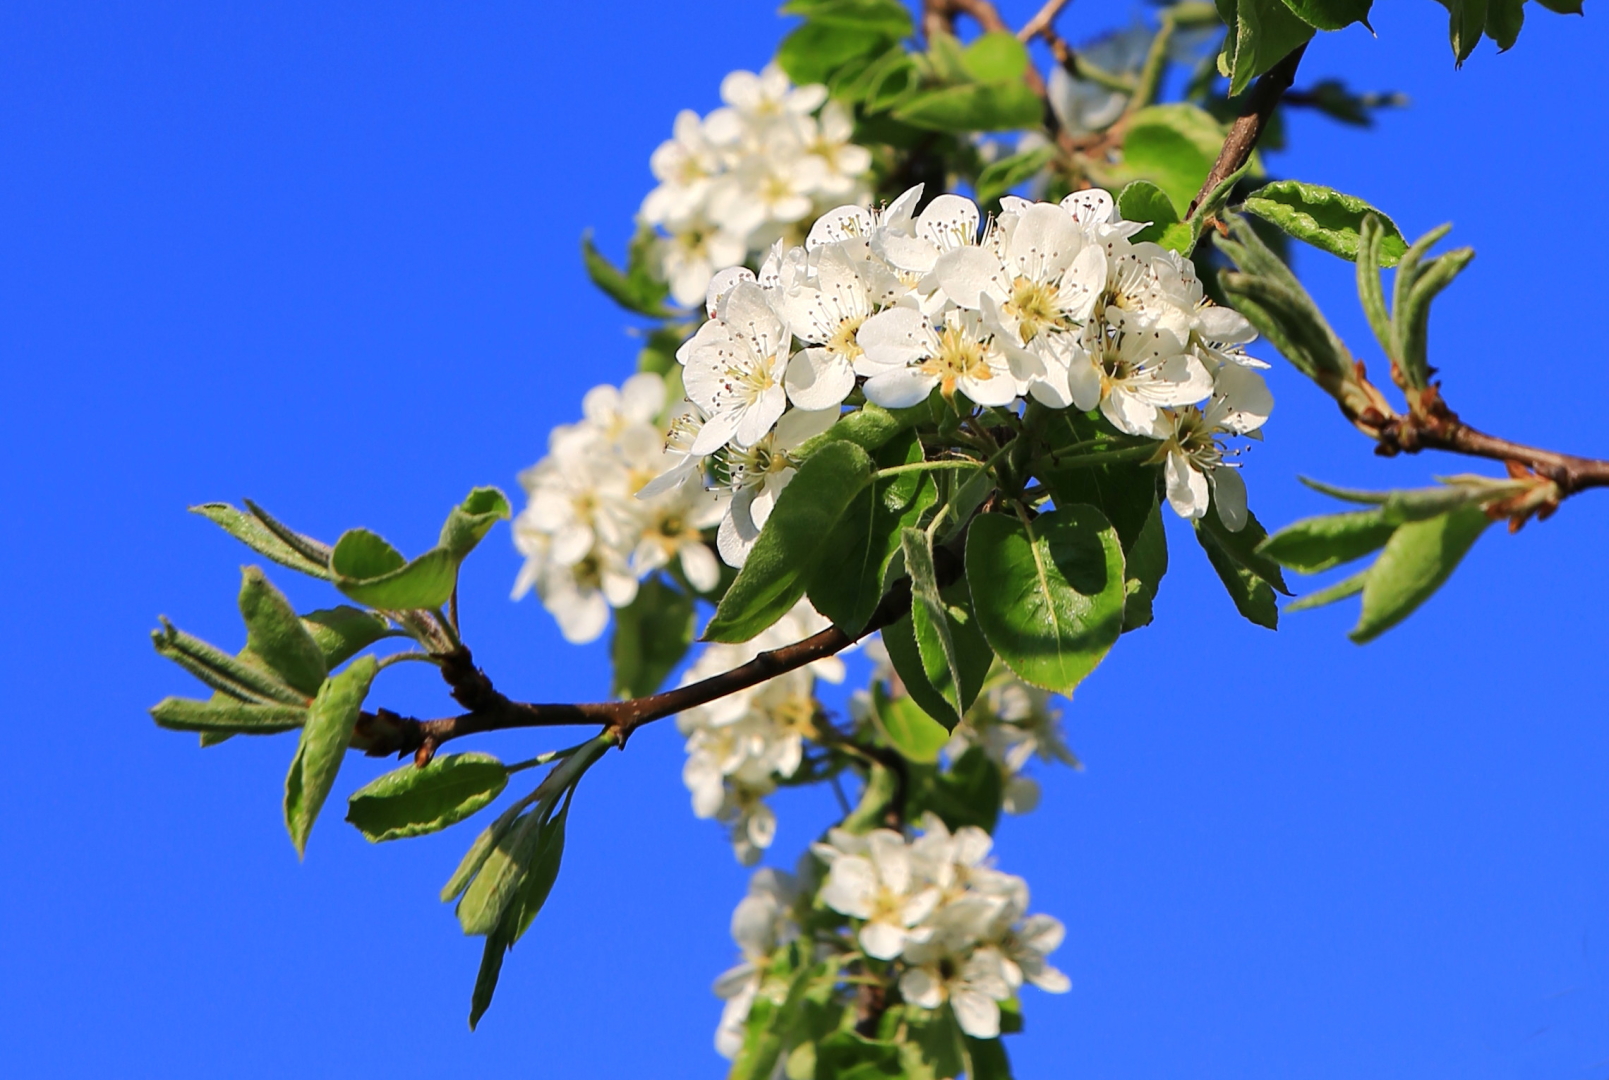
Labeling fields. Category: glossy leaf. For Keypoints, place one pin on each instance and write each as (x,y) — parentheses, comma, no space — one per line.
(1331,14)
(1144,564)
(999,177)
(226,715)
(1250,577)
(853,566)
(651,636)
(916,735)
(411,801)
(1418,558)
(276,636)
(783,558)
(1142,200)
(1048,594)
(1325,218)
(330,721)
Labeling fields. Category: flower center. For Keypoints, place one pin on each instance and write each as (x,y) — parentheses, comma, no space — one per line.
(959,357)
(1034,305)
(843,340)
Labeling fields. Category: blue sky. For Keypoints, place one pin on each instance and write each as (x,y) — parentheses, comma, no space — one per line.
(325,256)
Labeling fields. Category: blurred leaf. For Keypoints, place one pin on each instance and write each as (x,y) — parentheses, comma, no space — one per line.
(1324,218)
(967,793)
(779,566)
(1418,558)
(1174,146)
(916,735)
(991,106)
(651,636)
(325,737)
(995,57)
(636,288)
(277,636)
(887,18)
(411,801)
(1319,543)
(1001,176)
(1048,595)
(813,52)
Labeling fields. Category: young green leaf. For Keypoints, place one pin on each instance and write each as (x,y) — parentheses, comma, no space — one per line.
(885,18)
(1141,200)
(501,875)
(226,715)
(1339,591)
(344,631)
(651,636)
(254,534)
(372,572)
(995,57)
(1262,33)
(470,521)
(999,177)
(1418,558)
(633,289)
(231,675)
(1249,577)
(1049,593)
(330,721)
(411,801)
(276,636)
(779,567)
(1466,22)
(1325,218)
(969,792)
(520,914)
(481,849)
(1319,543)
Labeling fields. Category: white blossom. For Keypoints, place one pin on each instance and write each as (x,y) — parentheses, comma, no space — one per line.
(762,923)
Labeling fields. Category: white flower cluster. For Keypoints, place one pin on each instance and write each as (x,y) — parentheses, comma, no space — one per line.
(762,924)
(587,539)
(750,173)
(740,745)
(959,927)
(1050,302)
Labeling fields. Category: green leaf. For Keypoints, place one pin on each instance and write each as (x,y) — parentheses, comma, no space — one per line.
(372,572)
(868,427)
(1263,32)
(989,1061)
(1412,504)
(814,51)
(480,851)
(651,636)
(1503,21)
(502,874)
(1339,591)
(1001,176)
(995,57)
(780,565)
(1250,577)
(411,801)
(1048,594)
(916,735)
(330,721)
(931,621)
(527,905)
(771,1025)
(1144,564)
(854,562)
(635,289)
(1174,146)
(254,534)
(938,647)
(1142,200)
(991,106)
(1325,218)
(1319,543)
(967,793)
(1418,558)
(1562,7)
(226,715)
(887,18)
(470,521)
(1125,491)
(1331,14)
(342,632)
(658,355)
(846,1055)
(230,675)
(1465,24)
(277,636)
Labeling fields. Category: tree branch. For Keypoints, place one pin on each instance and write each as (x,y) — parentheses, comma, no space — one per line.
(1042,20)
(384,732)
(1248,128)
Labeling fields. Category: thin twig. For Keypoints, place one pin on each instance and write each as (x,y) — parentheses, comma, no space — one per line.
(1244,133)
(1041,20)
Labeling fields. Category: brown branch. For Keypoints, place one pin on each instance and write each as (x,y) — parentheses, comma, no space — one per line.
(1248,128)
(1041,21)
(385,732)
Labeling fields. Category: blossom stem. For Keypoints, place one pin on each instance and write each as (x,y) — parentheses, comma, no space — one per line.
(927,466)
(397,658)
(1108,457)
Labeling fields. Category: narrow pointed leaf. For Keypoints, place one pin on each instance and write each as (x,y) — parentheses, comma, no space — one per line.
(1339,591)
(257,536)
(276,636)
(502,874)
(230,674)
(1319,543)
(226,715)
(1419,557)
